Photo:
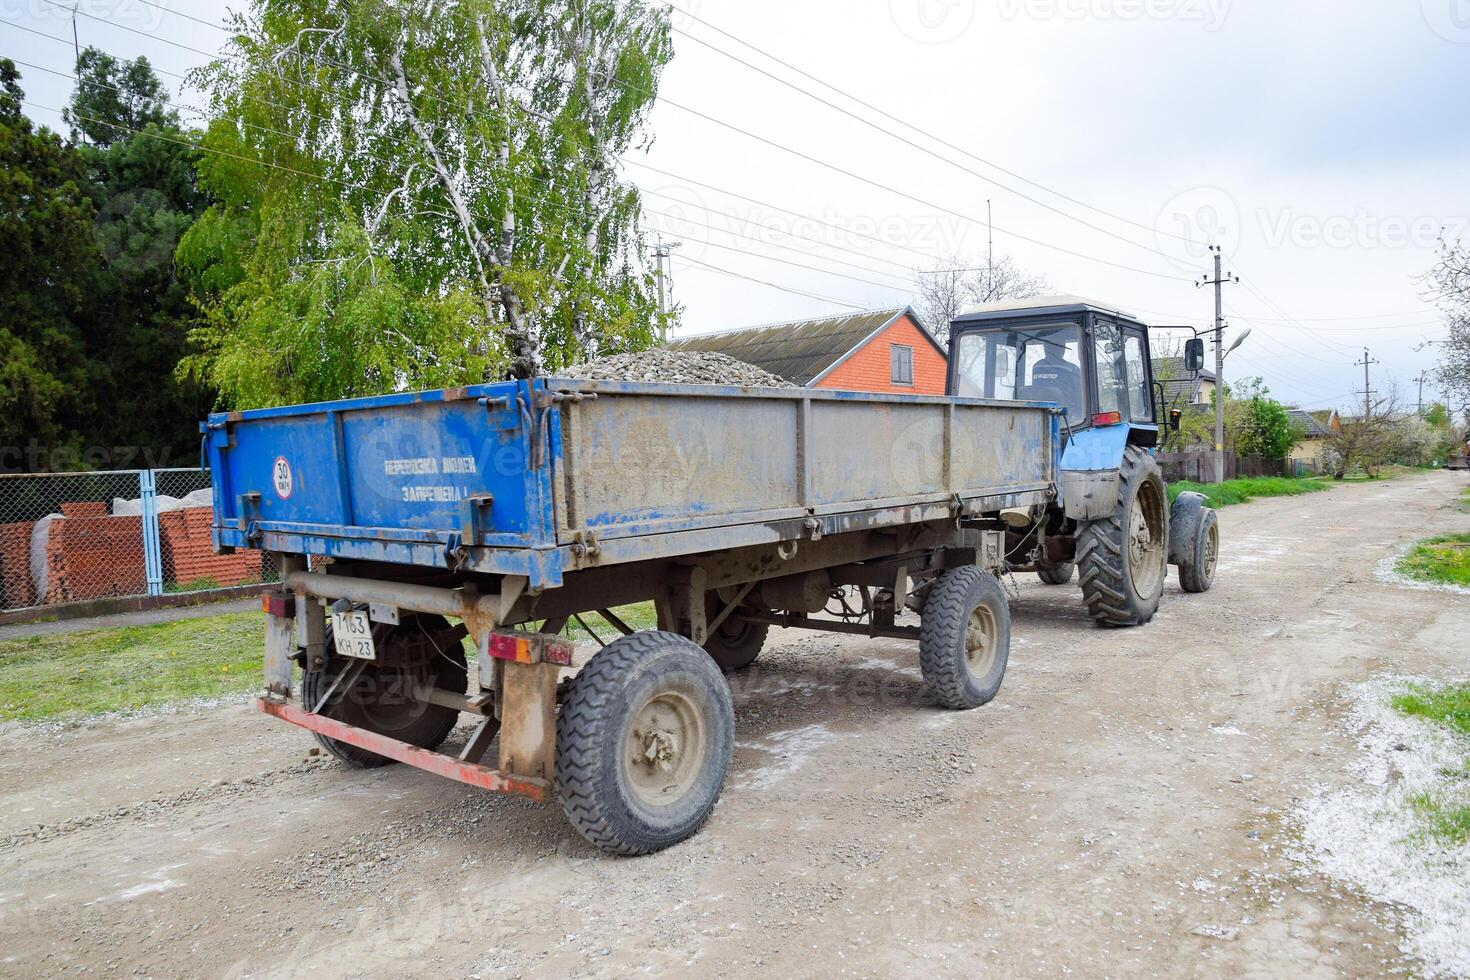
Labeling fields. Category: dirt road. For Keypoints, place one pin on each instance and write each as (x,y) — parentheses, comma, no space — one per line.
(1120,809)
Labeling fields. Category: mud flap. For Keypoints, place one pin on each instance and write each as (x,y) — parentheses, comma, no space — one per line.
(528,720)
(280,651)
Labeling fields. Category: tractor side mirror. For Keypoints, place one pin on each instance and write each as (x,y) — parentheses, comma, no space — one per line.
(1194,356)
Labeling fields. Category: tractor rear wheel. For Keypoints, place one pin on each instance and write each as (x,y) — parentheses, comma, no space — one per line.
(1124,557)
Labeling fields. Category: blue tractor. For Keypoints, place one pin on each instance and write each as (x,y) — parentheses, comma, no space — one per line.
(1111,521)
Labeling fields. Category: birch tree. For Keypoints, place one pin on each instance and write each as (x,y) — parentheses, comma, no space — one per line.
(437,198)
(1449,282)
(947,287)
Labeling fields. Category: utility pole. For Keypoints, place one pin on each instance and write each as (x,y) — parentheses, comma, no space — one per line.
(1420,381)
(1221,278)
(661,254)
(1367,362)
(990,232)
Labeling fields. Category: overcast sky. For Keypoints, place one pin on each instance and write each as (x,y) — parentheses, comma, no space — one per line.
(1324,144)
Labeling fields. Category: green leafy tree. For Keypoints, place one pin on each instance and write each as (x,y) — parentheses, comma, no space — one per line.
(436,198)
(1261,425)
(47,243)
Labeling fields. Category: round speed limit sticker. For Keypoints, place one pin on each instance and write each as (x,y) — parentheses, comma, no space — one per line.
(281,472)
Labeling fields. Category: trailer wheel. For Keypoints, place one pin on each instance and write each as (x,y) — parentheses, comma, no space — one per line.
(1194,542)
(735,645)
(1060,575)
(643,741)
(1123,558)
(965,638)
(381,698)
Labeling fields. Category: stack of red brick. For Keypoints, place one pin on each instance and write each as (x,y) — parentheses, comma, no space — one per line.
(92,555)
(16,589)
(188,554)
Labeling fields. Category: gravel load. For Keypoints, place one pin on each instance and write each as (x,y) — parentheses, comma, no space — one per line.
(677,367)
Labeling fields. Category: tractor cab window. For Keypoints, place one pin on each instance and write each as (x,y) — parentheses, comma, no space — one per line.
(1107,359)
(1041,363)
(1135,359)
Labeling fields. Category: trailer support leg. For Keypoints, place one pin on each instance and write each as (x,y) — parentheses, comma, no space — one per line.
(280,651)
(528,720)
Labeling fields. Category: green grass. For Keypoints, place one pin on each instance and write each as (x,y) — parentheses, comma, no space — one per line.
(1444,559)
(73,675)
(1465,500)
(1244,490)
(77,674)
(1445,814)
(638,617)
(1444,819)
(1448,706)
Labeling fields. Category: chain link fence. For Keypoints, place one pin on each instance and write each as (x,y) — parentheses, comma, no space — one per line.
(78,537)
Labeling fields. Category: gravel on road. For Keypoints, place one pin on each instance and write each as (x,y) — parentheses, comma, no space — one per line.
(1125,807)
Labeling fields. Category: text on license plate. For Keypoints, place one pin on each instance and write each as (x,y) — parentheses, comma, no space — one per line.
(353,634)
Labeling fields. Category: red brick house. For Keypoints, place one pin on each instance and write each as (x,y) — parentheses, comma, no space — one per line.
(887,351)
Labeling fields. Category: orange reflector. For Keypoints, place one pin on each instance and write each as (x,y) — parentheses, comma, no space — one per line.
(1107,418)
(529,648)
(279,604)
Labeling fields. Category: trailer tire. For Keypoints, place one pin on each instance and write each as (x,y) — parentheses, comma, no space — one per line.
(965,638)
(408,651)
(736,645)
(1060,575)
(1194,542)
(1123,558)
(648,715)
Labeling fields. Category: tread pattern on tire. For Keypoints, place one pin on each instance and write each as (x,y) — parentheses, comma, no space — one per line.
(580,735)
(1100,543)
(946,613)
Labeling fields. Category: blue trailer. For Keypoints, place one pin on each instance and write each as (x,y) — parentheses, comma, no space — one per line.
(405,523)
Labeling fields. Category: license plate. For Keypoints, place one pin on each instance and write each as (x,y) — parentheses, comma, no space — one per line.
(353,633)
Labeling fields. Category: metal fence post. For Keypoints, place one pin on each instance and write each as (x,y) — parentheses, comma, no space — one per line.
(152,553)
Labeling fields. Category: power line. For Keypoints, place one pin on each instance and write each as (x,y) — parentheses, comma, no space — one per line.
(922,149)
(904,194)
(647,93)
(358,186)
(763,282)
(751,237)
(774,207)
(825,102)
(908,125)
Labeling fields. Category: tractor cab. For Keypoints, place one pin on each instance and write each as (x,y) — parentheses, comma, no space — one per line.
(1089,358)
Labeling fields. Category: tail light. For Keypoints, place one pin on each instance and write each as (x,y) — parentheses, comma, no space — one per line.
(1107,418)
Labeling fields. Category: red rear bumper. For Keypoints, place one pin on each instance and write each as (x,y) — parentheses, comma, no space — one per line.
(493,780)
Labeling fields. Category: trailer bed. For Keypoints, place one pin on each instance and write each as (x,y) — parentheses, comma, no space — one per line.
(544,477)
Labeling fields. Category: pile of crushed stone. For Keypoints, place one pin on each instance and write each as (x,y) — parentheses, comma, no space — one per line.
(663,366)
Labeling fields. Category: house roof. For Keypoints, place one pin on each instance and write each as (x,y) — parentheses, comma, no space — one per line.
(1310,426)
(1180,389)
(801,351)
